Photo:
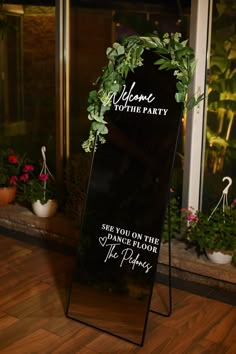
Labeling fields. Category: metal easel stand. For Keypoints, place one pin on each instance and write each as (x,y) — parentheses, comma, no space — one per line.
(169,272)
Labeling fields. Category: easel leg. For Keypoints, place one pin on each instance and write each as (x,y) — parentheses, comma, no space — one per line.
(169,271)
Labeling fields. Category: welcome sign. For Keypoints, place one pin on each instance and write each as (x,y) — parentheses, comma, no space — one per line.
(124,102)
(126,201)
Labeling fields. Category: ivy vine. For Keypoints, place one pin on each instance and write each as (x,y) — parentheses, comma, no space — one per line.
(126,56)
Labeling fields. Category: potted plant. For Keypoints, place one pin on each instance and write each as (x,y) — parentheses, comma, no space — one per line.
(11,165)
(37,186)
(215,235)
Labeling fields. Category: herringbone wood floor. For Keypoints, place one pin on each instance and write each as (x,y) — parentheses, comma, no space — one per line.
(33,283)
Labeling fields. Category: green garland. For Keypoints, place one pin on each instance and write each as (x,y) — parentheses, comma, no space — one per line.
(127,56)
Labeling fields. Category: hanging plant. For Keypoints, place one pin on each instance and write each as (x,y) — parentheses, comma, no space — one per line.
(37,184)
(126,56)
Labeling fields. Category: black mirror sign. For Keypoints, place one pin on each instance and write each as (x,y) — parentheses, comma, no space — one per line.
(126,201)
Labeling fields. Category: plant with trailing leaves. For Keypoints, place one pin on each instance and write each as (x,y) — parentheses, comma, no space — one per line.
(217,232)
(37,183)
(173,54)
(36,187)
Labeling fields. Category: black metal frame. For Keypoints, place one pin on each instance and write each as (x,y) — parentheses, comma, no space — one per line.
(169,312)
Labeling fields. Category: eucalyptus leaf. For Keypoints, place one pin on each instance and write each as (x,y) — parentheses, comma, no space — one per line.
(180,86)
(184,43)
(108,51)
(119,48)
(160,61)
(166,65)
(180,96)
(92,96)
(115,87)
(101,128)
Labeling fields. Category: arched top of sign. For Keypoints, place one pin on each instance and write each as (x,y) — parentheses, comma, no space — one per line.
(173,54)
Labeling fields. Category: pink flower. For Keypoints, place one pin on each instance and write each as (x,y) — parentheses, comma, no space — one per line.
(24,177)
(13,180)
(12,159)
(234,202)
(28,168)
(43,177)
(191,217)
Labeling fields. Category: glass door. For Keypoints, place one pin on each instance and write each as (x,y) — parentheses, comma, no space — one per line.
(220,145)
(27,83)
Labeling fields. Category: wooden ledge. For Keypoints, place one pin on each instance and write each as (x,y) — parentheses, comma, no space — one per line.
(64,231)
(59,228)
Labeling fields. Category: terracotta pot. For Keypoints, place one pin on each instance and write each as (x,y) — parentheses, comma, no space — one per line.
(7,195)
(46,210)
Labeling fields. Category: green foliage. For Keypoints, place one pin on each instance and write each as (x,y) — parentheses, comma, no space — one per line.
(34,189)
(218,233)
(35,184)
(175,219)
(127,56)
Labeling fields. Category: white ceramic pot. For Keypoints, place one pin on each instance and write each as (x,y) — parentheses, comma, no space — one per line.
(46,210)
(219,257)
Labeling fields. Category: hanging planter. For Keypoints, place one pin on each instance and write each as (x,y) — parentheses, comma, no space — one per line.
(46,210)
(215,234)
(39,188)
(219,257)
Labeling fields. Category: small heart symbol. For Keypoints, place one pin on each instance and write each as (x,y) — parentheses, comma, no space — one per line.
(102,241)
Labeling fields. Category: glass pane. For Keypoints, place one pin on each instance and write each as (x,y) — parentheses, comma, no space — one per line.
(220,153)
(27,85)
(94,26)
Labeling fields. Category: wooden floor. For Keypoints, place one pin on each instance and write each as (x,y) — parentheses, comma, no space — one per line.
(33,283)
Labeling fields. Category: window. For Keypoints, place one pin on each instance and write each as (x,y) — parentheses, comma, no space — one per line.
(220,147)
